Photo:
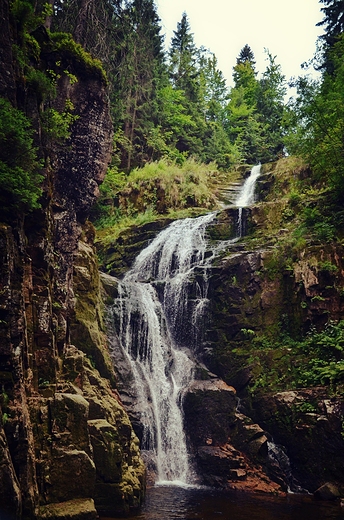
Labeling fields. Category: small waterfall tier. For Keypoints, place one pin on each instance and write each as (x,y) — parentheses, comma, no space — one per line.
(246,195)
(159,311)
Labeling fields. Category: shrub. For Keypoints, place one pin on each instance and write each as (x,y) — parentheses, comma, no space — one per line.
(19,175)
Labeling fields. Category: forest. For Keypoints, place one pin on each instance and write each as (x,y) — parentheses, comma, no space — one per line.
(172,106)
(108,135)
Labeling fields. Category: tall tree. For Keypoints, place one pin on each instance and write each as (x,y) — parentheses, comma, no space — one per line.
(246,54)
(244,75)
(92,23)
(213,86)
(138,75)
(183,60)
(333,23)
(318,129)
(270,108)
(242,125)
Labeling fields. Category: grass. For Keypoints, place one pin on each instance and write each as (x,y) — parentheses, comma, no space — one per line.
(160,189)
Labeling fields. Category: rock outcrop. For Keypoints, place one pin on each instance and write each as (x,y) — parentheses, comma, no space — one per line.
(229,450)
(67,448)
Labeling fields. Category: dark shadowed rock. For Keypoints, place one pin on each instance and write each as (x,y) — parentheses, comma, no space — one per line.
(327,491)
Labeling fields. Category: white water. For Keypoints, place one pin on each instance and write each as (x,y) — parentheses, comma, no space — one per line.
(246,195)
(161,302)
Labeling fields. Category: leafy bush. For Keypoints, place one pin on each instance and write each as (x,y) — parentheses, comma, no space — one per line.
(19,177)
(56,125)
(316,359)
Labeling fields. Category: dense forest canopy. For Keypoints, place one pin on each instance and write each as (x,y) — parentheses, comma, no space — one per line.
(173,105)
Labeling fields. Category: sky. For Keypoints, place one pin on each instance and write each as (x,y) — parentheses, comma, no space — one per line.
(287,29)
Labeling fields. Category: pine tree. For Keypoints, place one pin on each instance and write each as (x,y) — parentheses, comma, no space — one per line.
(242,126)
(183,60)
(333,23)
(245,55)
(270,108)
(244,75)
(214,90)
(140,70)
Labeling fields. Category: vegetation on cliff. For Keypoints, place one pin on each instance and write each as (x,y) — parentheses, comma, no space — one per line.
(20,180)
(159,190)
(178,131)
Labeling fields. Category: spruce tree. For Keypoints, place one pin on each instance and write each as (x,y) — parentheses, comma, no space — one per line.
(333,23)
(139,72)
(183,60)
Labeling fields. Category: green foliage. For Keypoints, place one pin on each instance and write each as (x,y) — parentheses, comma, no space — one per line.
(317,129)
(255,110)
(270,109)
(57,125)
(285,363)
(114,181)
(19,168)
(318,224)
(160,188)
(5,418)
(328,266)
(41,84)
(66,45)
(183,58)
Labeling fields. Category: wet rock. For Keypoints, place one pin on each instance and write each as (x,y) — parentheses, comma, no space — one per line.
(79,509)
(327,491)
(209,408)
(309,425)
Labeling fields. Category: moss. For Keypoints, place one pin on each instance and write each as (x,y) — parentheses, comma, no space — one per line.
(87,328)
(64,45)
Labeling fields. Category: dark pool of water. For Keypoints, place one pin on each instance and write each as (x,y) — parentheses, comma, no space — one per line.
(177,503)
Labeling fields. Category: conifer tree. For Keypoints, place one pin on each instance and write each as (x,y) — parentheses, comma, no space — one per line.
(270,108)
(183,60)
(140,70)
(333,23)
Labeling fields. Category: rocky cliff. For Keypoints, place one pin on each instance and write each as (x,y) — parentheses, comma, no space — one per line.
(274,331)
(67,448)
(269,380)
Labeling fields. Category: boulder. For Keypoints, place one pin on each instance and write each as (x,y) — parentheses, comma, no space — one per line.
(327,491)
(107,450)
(209,409)
(78,509)
(69,475)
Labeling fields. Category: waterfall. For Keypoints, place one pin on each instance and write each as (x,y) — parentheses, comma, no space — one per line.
(156,321)
(246,195)
(159,308)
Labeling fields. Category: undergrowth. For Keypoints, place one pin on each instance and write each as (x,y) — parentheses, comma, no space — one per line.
(286,363)
(159,190)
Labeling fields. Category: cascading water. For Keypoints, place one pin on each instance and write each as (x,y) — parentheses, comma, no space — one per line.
(160,304)
(246,195)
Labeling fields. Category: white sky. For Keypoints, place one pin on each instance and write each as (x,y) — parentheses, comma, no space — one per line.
(286,28)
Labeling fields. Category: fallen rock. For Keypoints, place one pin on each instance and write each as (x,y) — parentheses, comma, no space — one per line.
(328,491)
